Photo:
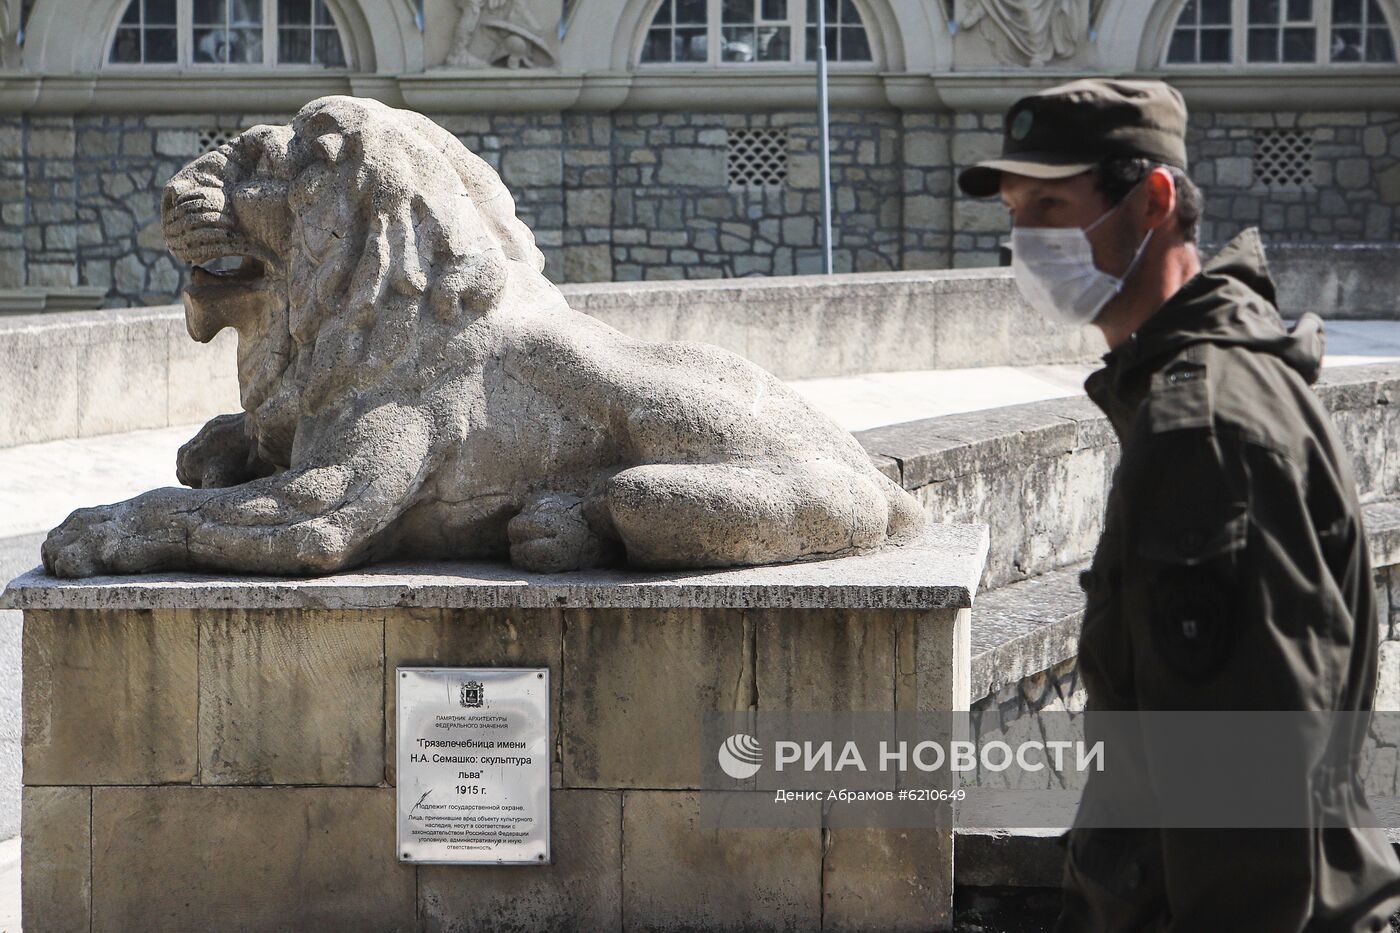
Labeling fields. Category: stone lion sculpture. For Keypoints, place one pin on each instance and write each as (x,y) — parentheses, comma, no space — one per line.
(414,387)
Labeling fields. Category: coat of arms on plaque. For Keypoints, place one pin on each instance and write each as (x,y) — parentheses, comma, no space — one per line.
(472,693)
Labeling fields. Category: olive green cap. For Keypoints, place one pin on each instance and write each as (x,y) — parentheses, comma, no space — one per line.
(1068,129)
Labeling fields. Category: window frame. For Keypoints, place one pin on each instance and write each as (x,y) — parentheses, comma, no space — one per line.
(1239,41)
(184,45)
(796,23)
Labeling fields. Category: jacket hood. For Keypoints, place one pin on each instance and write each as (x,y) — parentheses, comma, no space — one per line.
(1230,302)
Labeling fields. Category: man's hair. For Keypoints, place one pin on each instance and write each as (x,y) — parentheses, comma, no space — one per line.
(1116,177)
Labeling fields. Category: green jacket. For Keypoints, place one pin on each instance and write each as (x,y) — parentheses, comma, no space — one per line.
(1232,574)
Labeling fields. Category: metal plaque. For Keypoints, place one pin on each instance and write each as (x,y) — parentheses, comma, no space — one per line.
(473,765)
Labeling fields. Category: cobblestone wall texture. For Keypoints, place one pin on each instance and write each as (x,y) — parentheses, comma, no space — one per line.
(645,195)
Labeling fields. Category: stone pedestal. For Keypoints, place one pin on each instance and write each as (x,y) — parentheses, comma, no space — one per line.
(217,753)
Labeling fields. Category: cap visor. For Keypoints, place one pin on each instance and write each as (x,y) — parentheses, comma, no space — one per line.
(984,179)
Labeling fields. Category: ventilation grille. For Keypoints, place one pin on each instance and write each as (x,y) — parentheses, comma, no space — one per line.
(757,158)
(211,137)
(1283,158)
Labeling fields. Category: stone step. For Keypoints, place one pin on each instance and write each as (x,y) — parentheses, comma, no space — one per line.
(1017,858)
(1023,858)
(1023,628)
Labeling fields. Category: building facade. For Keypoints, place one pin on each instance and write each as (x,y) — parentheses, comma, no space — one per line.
(649,139)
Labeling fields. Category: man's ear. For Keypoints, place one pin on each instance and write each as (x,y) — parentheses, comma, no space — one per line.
(1161,197)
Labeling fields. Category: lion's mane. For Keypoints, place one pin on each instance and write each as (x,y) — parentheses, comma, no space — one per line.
(400,237)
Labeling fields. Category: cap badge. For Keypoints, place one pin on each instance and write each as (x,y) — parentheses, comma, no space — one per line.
(1021,126)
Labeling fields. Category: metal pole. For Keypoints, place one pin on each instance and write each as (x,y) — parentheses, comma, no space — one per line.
(823,118)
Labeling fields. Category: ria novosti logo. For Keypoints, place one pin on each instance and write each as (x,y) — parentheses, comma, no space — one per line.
(740,756)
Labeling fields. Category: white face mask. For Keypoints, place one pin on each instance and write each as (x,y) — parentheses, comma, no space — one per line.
(1055,271)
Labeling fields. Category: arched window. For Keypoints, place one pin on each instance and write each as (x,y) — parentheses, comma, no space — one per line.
(718,32)
(1286,32)
(678,32)
(227,32)
(846,40)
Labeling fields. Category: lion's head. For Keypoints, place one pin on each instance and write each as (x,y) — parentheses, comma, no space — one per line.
(331,243)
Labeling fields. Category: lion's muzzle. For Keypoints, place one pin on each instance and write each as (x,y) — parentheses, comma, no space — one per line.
(228,281)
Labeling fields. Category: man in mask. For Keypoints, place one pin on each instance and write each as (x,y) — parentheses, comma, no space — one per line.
(1232,572)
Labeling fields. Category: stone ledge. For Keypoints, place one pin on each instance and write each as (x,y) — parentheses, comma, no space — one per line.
(1359,386)
(1027,858)
(1359,281)
(88,326)
(32,300)
(935,449)
(85,373)
(904,320)
(940,571)
(1382,521)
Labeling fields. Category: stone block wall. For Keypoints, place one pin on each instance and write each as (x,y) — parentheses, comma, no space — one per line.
(980,225)
(635,195)
(675,215)
(927,188)
(623,196)
(1353,195)
(80,196)
(184,767)
(528,150)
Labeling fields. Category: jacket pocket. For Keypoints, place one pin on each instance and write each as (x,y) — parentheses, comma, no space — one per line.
(1188,574)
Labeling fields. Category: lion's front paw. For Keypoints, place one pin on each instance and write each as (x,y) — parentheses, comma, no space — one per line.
(218,456)
(85,545)
(550,535)
(136,536)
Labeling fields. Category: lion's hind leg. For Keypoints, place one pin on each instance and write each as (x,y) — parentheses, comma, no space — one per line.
(724,514)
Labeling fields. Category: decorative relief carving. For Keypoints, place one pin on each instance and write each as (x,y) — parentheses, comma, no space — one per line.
(11,21)
(501,34)
(1029,31)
